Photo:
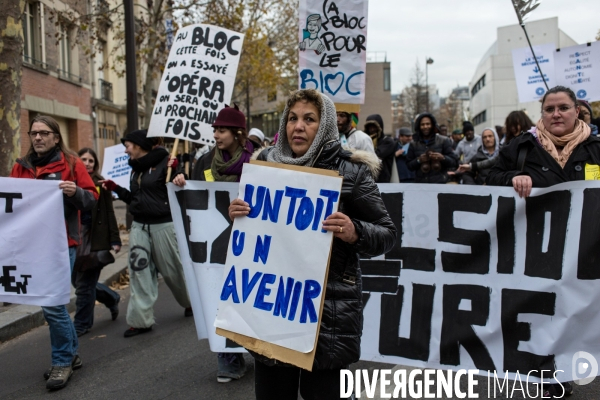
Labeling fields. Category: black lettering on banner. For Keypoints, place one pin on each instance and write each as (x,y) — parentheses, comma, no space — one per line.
(193,200)
(379,277)
(7,280)
(478,261)
(416,347)
(589,240)
(540,263)
(412,257)
(8,207)
(457,325)
(218,251)
(515,302)
(505,231)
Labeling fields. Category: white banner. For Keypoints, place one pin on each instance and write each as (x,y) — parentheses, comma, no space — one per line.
(530,84)
(115,165)
(34,252)
(332,48)
(578,68)
(479,278)
(272,286)
(197,82)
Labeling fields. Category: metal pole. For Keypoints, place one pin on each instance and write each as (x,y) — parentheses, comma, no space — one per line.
(534,57)
(132,103)
(427,83)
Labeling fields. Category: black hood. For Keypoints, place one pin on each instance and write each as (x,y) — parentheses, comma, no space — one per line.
(376,120)
(435,127)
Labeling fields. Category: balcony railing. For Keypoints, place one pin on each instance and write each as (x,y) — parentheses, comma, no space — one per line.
(69,76)
(106,92)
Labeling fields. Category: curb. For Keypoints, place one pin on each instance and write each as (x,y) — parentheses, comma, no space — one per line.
(23,318)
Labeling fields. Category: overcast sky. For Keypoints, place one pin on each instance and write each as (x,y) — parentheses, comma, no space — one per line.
(457,33)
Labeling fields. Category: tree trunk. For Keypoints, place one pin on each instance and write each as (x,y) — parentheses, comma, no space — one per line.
(11,60)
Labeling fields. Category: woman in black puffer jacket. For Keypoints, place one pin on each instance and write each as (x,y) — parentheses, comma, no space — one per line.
(361,226)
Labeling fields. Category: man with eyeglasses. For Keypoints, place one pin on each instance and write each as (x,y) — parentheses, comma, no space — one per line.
(49,159)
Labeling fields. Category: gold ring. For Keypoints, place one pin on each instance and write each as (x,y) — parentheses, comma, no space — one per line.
(341,229)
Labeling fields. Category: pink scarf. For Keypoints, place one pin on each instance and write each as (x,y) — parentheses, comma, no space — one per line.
(568,142)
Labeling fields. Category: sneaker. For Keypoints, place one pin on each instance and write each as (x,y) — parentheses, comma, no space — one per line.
(556,391)
(136,331)
(188,312)
(230,366)
(76,364)
(59,377)
(114,309)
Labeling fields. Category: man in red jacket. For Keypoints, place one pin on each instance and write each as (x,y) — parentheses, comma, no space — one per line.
(48,158)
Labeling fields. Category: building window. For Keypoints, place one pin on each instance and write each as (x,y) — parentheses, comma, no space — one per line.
(33,34)
(480,118)
(64,50)
(387,80)
(478,86)
(106,131)
(272,95)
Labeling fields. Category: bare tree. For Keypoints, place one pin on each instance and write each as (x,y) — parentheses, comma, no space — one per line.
(11,61)
(414,97)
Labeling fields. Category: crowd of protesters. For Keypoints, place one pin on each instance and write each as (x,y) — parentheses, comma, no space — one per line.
(313,132)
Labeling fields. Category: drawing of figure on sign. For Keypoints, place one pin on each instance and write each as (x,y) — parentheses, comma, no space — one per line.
(311,39)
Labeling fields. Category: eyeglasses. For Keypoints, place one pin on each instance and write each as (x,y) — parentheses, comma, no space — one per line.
(561,109)
(43,134)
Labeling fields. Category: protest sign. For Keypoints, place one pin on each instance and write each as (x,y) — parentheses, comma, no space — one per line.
(197,83)
(34,252)
(578,68)
(332,48)
(116,165)
(479,278)
(530,84)
(278,256)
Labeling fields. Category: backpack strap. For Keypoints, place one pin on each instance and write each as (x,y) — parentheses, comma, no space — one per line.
(521,158)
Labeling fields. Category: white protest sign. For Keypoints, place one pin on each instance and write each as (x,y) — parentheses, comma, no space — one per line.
(332,48)
(278,255)
(203,229)
(197,82)
(578,68)
(116,165)
(479,278)
(34,253)
(530,84)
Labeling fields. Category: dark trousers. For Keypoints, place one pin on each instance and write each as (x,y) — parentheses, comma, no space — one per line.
(88,290)
(282,383)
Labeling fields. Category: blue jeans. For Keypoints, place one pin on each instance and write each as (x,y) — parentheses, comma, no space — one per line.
(63,339)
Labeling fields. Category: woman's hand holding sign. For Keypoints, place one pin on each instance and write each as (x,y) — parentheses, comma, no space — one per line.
(238,208)
(341,226)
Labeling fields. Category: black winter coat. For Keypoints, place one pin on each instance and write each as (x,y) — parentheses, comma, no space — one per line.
(539,164)
(147,198)
(481,165)
(105,231)
(341,325)
(440,144)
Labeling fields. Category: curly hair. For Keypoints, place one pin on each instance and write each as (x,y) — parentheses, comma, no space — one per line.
(309,95)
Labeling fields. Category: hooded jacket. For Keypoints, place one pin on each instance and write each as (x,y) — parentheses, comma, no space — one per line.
(436,143)
(385,147)
(58,169)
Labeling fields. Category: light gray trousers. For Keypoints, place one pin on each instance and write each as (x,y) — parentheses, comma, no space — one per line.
(153,249)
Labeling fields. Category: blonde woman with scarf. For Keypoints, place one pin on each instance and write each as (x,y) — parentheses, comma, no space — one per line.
(558,149)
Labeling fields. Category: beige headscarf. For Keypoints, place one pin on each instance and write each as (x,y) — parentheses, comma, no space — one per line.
(568,142)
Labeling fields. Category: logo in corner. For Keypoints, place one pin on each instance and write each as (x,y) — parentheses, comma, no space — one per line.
(581,94)
(584,364)
(540,91)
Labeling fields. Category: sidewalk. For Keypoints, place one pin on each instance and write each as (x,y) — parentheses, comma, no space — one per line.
(16,320)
